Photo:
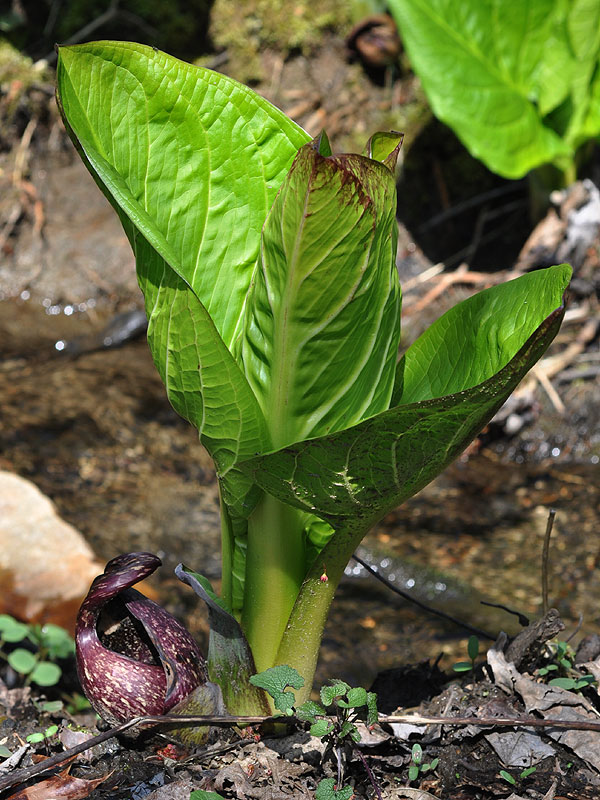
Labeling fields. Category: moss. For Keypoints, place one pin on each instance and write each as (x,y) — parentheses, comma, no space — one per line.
(245,30)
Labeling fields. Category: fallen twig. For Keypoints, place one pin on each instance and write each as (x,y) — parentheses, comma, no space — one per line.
(170,720)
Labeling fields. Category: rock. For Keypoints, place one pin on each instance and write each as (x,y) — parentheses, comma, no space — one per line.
(46,567)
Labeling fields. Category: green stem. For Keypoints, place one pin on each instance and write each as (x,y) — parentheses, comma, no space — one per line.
(275,565)
(302,638)
(226,555)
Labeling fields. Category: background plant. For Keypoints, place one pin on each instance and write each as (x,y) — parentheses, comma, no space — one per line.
(50,644)
(268,270)
(562,671)
(517,80)
(333,720)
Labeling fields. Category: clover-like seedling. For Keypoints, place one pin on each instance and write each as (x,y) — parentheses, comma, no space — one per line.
(51,643)
(39,736)
(563,667)
(417,765)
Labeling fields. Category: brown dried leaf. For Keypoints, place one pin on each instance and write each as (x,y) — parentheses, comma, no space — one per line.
(60,787)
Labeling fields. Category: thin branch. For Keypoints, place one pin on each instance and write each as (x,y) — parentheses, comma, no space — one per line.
(471,628)
(23,775)
(493,722)
(545,552)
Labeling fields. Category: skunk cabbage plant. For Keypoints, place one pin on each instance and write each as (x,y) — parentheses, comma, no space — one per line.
(145,661)
(267,266)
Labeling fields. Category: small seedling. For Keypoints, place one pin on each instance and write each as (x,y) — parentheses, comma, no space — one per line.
(51,643)
(522,775)
(472,652)
(563,667)
(417,766)
(333,719)
(36,738)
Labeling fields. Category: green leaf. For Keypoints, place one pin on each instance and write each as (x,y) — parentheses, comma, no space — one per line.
(336,689)
(462,666)
(200,794)
(46,674)
(309,711)
(275,681)
(321,728)
(563,683)
(52,706)
(473,647)
(413,772)
(4,752)
(11,630)
(191,156)
(22,661)
(527,772)
(326,791)
(508,777)
(372,713)
(230,660)
(35,738)
(349,729)
(191,160)
(322,318)
(492,71)
(355,698)
(417,753)
(58,641)
(353,477)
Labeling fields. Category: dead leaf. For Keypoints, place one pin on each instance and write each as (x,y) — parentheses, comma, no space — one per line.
(553,702)
(60,787)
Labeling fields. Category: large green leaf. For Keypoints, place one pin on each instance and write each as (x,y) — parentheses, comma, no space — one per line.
(191,161)
(494,69)
(323,324)
(475,339)
(189,154)
(353,477)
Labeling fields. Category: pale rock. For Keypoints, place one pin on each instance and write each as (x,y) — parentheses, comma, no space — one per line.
(46,567)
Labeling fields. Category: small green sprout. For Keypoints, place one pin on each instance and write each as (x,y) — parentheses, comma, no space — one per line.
(472,652)
(522,775)
(52,643)
(562,665)
(36,738)
(417,766)
(333,719)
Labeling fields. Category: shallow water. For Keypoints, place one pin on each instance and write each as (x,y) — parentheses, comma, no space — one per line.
(97,435)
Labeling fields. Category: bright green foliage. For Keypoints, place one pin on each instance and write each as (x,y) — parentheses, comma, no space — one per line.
(36,738)
(517,80)
(417,765)
(200,794)
(276,681)
(268,270)
(327,790)
(472,652)
(562,666)
(51,643)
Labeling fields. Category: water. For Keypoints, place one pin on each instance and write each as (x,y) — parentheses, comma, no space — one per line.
(97,435)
